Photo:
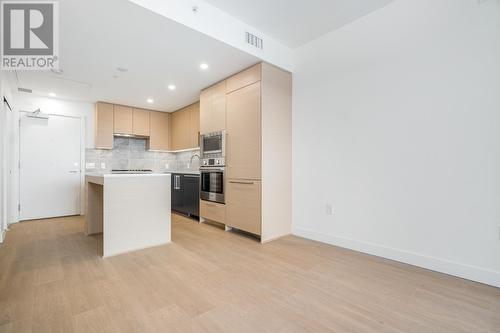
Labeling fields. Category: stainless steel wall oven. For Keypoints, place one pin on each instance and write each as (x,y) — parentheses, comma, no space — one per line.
(212,184)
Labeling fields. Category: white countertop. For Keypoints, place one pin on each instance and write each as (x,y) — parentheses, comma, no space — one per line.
(112,174)
(188,172)
(98,177)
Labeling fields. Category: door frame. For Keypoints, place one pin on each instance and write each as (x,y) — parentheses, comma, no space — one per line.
(82,156)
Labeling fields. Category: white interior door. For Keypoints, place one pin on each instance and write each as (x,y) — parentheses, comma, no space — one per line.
(50,168)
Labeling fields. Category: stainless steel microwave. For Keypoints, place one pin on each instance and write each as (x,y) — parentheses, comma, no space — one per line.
(213,144)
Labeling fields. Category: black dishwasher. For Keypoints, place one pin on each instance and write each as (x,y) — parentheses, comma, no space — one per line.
(186,194)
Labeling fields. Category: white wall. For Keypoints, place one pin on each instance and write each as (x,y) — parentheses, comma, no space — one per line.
(29,102)
(396,123)
(6,152)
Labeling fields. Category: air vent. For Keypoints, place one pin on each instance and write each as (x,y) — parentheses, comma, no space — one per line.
(254,40)
(25,90)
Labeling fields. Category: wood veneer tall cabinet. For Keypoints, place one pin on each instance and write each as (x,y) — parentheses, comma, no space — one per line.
(104,125)
(259,151)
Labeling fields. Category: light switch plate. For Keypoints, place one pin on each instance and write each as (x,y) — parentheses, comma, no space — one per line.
(329,209)
(90,165)
(103,165)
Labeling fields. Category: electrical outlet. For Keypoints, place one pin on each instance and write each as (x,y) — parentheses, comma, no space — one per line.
(103,165)
(329,209)
(166,166)
(90,165)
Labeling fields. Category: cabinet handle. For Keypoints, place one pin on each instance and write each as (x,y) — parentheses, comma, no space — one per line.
(244,183)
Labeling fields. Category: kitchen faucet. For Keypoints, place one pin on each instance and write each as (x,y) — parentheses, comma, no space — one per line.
(191,160)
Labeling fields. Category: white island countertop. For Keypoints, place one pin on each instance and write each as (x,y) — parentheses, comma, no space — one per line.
(132,211)
(98,177)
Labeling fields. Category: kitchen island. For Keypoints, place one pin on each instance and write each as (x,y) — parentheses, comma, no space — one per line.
(132,211)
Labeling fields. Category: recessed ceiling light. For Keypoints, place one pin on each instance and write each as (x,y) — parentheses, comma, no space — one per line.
(171,87)
(150,100)
(51,94)
(204,66)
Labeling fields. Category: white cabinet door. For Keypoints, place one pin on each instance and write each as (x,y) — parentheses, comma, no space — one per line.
(50,170)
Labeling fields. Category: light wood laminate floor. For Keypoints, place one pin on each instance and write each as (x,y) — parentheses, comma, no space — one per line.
(53,280)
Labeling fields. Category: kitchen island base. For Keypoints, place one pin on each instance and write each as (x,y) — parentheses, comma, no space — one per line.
(131,210)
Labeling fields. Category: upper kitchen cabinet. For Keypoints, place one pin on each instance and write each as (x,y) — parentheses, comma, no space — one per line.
(130,121)
(243,79)
(159,133)
(113,120)
(122,119)
(140,122)
(213,108)
(194,125)
(104,126)
(179,129)
(185,128)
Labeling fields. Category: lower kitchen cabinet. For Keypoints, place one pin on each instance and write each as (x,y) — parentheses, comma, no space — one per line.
(213,211)
(243,201)
(186,194)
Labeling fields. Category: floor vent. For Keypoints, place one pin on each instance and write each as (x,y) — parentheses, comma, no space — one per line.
(254,40)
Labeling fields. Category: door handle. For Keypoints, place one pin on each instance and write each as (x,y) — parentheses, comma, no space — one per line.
(239,182)
(74,171)
(177,182)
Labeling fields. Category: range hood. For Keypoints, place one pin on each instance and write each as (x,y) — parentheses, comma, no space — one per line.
(131,136)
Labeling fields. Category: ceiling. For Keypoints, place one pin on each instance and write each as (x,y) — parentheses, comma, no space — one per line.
(296,22)
(97,37)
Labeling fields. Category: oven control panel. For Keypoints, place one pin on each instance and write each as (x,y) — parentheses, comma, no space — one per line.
(218,161)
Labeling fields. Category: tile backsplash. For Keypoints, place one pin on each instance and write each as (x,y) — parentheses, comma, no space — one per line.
(131,153)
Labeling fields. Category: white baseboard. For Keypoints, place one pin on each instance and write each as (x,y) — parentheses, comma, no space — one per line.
(2,235)
(465,271)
